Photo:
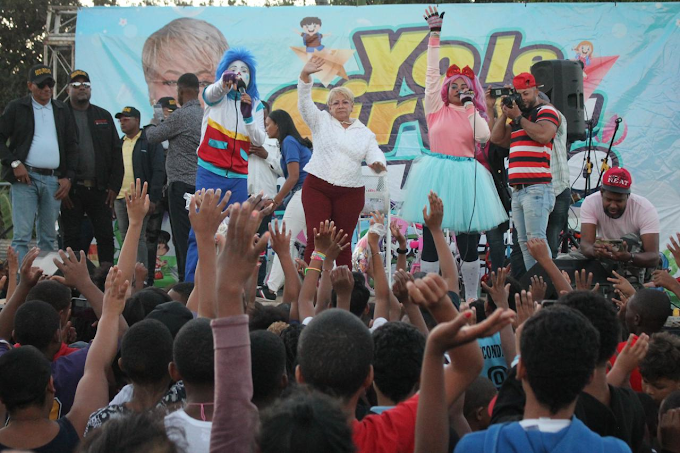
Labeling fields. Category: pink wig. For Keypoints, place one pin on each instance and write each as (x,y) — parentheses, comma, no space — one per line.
(479,100)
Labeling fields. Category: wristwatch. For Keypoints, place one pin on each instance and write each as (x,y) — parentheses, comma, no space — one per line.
(518,120)
(15,164)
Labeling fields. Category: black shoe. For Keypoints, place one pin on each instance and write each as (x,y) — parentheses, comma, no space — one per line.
(266,293)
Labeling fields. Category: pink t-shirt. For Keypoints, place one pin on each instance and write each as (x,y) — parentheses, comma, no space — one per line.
(640,217)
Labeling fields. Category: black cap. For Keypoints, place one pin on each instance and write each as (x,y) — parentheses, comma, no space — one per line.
(79,73)
(129,112)
(168,103)
(173,314)
(39,73)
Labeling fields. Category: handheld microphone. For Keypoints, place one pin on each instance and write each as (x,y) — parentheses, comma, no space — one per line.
(241,86)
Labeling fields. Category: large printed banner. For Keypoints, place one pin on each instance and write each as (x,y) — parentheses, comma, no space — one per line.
(630,52)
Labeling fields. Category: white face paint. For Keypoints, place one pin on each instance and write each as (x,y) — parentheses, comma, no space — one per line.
(242,69)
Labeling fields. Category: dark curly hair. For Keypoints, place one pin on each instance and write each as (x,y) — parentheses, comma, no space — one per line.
(603,316)
(290,336)
(662,359)
(397,359)
(559,348)
(263,316)
(305,421)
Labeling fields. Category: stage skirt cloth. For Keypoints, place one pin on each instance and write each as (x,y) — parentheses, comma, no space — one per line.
(453,179)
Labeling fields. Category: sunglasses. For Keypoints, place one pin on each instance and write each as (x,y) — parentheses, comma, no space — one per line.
(48,82)
(79,84)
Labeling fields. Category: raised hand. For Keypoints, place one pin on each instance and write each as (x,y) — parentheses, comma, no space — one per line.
(246,106)
(429,292)
(434,220)
(326,236)
(279,239)
(539,250)
(115,289)
(453,334)
(526,307)
(398,235)
(499,290)
(622,284)
(12,261)
(662,278)
(314,65)
(301,267)
(674,247)
(141,272)
(538,288)
(434,19)
(633,352)
(400,285)
(669,430)
(374,236)
(229,79)
(207,212)
(29,275)
(137,202)
(75,271)
(584,283)
(342,281)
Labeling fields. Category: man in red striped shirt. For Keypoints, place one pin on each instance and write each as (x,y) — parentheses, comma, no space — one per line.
(529,135)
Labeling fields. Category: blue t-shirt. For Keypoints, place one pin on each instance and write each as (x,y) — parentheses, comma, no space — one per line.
(495,366)
(294,151)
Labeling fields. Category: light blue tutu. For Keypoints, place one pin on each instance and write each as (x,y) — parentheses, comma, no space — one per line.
(453,179)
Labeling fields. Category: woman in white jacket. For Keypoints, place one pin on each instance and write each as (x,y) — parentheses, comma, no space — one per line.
(334,188)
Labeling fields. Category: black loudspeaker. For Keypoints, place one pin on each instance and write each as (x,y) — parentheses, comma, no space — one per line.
(562,81)
(569,265)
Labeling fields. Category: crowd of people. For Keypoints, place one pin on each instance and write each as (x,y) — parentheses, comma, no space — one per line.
(344,361)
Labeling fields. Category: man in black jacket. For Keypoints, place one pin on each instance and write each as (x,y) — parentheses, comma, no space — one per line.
(99,174)
(144,161)
(39,155)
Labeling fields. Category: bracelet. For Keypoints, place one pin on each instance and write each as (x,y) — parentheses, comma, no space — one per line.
(312,269)
(402,251)
(318,256)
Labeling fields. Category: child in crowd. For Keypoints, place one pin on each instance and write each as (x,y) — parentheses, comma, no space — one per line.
(660,369)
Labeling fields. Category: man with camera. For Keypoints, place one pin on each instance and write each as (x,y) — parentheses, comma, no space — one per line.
(529,135)
(619,226)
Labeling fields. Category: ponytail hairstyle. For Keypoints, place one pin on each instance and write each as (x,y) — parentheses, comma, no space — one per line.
(287,127)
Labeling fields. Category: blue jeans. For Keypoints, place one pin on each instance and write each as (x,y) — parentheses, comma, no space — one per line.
(531,207)
(35,202)
(557,222)
(206,179)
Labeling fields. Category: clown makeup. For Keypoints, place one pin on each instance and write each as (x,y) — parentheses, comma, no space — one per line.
(242,69)
(456,87)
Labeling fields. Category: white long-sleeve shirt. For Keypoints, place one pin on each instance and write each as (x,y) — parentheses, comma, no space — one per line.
(263,173)
(338,152)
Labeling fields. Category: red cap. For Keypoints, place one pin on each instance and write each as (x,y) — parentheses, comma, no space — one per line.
(523,81)
(617,179)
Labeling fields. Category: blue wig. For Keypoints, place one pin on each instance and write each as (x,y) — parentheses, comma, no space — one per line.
(243,54)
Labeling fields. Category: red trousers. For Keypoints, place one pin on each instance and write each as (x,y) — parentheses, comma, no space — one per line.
(323,201)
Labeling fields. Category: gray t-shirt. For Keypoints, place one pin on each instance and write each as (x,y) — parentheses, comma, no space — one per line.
(86,155)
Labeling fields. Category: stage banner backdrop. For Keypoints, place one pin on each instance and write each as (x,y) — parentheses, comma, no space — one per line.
(630,51)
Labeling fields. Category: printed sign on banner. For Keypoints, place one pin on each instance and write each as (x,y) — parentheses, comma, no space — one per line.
(630,53)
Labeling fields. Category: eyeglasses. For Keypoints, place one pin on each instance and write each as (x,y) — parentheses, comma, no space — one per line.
(43,84)
(79,84)
(173,83)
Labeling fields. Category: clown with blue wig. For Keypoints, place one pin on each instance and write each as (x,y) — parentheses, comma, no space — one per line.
(233,120)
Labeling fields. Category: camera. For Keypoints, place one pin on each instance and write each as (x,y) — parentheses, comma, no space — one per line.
(512,98)
(500,92)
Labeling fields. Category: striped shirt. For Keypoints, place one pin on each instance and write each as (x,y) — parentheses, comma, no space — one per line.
(530,160)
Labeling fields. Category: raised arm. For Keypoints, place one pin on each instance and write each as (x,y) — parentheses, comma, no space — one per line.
(215,92)
(28,278)
(433,221)
(12,271)
(234,416)
(137,204)
(433,100)
(92,392)
(171,127)
(280,242)
(499,292)
(343,284)
(323,294)
(206,213)
(400,291)
(382,289)
(309,111)
(76,275)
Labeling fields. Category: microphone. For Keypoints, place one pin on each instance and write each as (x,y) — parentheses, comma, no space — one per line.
(241,86)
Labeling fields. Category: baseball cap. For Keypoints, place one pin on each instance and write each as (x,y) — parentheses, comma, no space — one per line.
(129,112)
(79,73)
(39,73)
(173,314)
(523,81)
(168,103)
(617,179)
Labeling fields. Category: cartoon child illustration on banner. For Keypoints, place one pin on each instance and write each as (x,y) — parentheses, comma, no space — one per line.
(334,59)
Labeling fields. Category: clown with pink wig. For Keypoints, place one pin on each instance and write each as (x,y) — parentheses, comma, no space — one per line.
(458,132)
